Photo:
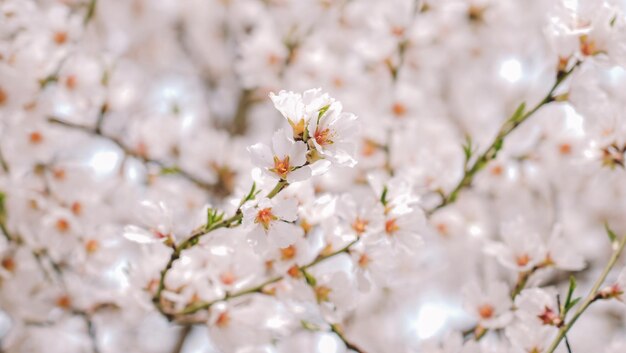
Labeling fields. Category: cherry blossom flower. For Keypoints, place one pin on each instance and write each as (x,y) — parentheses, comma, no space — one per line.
(157,221)
(527,337)
(520,250)
(285,160)
(538,305)
(615,290)
(331,135)
(492,307)
(299,109)
(269,223)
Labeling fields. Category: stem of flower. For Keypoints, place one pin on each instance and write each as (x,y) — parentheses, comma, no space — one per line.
(591,297)
(129,152)
(259,288)
(339,332)
(492,151)
(194,239)
(278,188)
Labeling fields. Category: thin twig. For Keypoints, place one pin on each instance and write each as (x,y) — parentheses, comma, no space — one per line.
(130,152)
(182,338)
(492,151)
(194,238)
(618,248)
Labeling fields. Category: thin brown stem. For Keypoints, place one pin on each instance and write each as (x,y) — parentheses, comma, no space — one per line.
(130,152)
(194,238)
(591,297)
(194,308)
(492,151)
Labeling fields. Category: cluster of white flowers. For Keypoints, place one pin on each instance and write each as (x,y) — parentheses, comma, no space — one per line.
(171,183)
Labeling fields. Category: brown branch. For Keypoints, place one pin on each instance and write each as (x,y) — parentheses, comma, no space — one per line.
(130,152)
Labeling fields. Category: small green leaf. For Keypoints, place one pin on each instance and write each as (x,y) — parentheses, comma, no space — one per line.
(519,113)
(2,208)
(383,196)
(323,110)
(468,148)
(570,292)
(572,304)
(309,326)
(170,170)
(610,233)
(613,20)
(497,145)
(309,278)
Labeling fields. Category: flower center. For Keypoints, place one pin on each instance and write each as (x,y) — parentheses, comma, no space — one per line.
(288,253)
(298,128)
(391,226)
(399,109)
(549,317)
(227,278)
(322,137)
(64,302)
(522,260)
(35,137)
(364,260)
(3,96)
(613,156)
(62,225)
(264,217)
(486,311)
(8,264)
(565,148)
(322,293)
(91,246)
(222,320)
(587,46)
(281,167)
(359,225)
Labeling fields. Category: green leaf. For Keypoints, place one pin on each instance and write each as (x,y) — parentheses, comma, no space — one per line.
(309,326)
(570,292)
(610,233)
(2,205)
(323,110)
(309,278)
(572,304)
(252,193)
(468,148)
(519,113)
(213,217)
(383,196)
(497,145)
(170,170)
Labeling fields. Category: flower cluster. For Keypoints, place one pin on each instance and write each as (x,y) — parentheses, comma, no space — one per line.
(170,182)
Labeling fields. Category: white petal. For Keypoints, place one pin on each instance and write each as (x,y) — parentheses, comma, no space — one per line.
(261,155)
(284,234)
(282,144)
(297,154)
(257,239)
(139,235)
(286,209)
(299,174)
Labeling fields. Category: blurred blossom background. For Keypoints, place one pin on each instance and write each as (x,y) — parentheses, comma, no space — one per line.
(124,122)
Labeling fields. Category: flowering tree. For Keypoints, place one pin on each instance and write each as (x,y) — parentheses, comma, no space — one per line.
(172,179)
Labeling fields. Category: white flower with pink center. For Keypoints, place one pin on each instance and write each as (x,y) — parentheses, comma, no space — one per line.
(270,223)
(491,305)
(285,160)
(615,290)
(332,135)
(157,220)
(538,305)
(299,109)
